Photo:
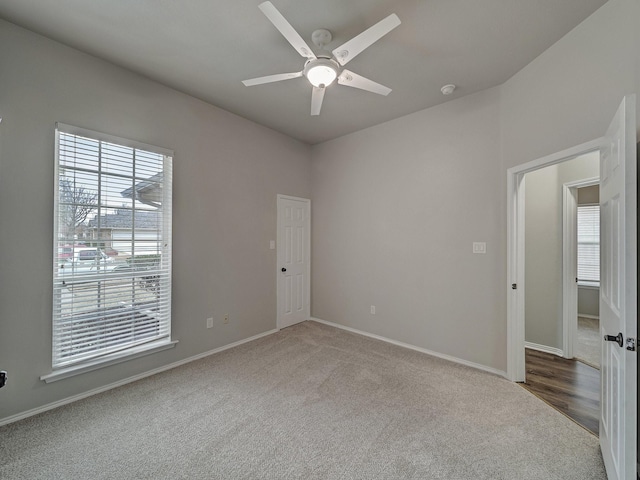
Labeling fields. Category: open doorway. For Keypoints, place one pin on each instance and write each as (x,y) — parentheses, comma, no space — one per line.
(549,224)
(553,333)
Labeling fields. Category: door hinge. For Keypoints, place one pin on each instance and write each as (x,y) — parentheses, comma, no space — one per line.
(514,286)
(631,344)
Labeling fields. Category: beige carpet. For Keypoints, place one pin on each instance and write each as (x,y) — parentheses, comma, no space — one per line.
(310,402)
(588,345)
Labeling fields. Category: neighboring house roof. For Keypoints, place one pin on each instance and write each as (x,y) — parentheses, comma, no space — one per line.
(148,191)
(123,218)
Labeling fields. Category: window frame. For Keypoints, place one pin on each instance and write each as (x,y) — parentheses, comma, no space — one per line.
(134,349)
(582,282)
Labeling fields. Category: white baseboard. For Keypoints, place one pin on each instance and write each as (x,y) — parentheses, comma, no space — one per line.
(543,348)
(594,317)
(119,383)
(450,358)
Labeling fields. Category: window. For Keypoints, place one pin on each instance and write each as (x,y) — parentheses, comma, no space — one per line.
(589,245)
(112,248)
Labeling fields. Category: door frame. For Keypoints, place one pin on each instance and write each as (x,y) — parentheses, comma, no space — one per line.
(307,246)
(515,251)
(569,262)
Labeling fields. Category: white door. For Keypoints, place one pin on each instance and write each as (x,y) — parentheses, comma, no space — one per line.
(618,294)
(294,225)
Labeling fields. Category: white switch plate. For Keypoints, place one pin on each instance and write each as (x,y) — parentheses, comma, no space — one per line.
(210,322)
(272,244)
(373,309)
(479,247)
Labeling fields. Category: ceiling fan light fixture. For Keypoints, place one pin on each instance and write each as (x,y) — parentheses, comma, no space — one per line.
(321,72)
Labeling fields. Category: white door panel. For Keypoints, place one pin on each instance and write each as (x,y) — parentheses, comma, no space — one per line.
(618,295)
(294,221)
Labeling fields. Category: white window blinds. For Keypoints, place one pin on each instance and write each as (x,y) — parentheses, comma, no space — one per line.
(589,245)
(112,246)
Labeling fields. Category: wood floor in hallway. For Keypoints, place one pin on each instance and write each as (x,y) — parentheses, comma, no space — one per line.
(569,386)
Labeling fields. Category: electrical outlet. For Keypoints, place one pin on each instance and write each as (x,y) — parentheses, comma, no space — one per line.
(226,318)
(210,322)
(373,309)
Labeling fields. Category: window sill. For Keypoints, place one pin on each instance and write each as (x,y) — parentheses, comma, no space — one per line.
(590,286)
(108,360)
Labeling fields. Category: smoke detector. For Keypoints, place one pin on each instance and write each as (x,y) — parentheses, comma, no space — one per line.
(448,89)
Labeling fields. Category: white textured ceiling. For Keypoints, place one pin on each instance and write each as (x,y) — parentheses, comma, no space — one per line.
(207,47)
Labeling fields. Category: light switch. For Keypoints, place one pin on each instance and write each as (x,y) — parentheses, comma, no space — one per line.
(272,244)
(479,247)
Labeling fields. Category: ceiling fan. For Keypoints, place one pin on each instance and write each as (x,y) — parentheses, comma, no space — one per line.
(322,70)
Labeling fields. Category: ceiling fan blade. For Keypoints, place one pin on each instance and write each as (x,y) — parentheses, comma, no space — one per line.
(271,78)
(351,79)
(347,51)
(316,100)
(286,29)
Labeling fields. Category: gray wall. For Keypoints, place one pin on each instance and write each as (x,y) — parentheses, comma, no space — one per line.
(396,209)
(543,246)
(397,206)
(589,302)
(569,94)
(227,173)
(589,195)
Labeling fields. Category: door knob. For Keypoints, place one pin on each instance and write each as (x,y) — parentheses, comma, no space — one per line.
(284,269)
(619,339)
